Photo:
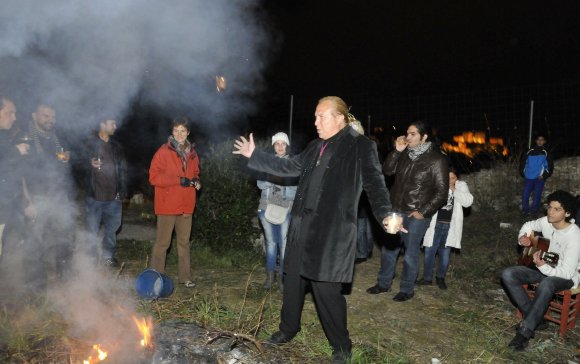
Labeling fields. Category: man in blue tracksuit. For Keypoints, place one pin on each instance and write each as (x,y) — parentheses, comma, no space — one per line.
(536,166)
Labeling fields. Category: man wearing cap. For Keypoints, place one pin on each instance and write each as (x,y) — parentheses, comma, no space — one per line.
(277,193)
(322,237)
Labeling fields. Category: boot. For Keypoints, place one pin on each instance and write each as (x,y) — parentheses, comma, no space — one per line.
(269,280)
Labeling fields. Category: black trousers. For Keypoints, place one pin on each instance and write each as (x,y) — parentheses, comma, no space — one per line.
(330,306)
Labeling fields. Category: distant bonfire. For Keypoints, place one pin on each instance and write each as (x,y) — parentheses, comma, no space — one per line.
(473,143)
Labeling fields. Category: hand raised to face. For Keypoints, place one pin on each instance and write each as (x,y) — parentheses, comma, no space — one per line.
(401,143)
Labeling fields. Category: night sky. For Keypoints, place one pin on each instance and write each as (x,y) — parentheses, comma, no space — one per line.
(421,47)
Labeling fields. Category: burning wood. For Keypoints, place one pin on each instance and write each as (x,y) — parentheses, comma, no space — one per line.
(237,339)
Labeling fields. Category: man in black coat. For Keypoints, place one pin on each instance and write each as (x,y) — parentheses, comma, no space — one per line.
(322,238)
(51,227)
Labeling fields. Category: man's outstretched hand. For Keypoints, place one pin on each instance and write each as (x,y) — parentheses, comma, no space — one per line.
(244,146)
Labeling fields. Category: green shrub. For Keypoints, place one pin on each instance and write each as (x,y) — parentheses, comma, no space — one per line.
(227,202)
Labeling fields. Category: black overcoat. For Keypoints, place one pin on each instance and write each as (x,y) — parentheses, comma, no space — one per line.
(321,243)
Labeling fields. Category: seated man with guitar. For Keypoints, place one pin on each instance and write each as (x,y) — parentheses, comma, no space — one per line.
(556,271)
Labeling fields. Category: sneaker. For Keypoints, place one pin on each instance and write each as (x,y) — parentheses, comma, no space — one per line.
(519,342)
(423,282)
(402,296)
(189,284)
(376,289)
(441,283)
(110,262)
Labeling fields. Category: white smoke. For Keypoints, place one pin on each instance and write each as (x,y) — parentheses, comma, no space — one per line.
(91,59)
(94,57)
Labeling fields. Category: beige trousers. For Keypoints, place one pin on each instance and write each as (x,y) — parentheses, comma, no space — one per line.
(165,226)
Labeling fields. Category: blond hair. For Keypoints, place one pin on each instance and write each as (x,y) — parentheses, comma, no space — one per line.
(340,108)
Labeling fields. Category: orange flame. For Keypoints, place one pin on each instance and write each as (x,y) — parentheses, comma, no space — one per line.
(101,355)
(145,327)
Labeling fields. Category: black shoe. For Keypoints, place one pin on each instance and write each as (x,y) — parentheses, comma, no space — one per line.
(341,357)
(441,283)
(532,334)
(423,282)
(110,262)
(519,342)
(402,296)
(278,338)
(376,289)
(543,325)
(360,260)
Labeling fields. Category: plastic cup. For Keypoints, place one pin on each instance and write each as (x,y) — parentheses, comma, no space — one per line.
(395,220)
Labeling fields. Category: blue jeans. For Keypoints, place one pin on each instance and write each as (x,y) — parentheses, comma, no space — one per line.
(533,310)
(109,213)
(438,247)
(412,243)
(365,239)
(275,236)
(536,186)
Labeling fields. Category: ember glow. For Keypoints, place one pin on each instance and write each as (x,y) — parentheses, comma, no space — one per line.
(101,355)
(145,327)
(220,83)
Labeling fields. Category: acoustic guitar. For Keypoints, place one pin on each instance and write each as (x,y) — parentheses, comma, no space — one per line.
(542,244)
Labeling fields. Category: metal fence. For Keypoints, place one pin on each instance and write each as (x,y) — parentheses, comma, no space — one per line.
(501,113)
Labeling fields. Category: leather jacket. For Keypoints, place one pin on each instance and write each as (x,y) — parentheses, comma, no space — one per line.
(420,185)
(120,164)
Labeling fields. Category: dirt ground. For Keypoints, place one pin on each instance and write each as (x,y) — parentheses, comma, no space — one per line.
(471,322)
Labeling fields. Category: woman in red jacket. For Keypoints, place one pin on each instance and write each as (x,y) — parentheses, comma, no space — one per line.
(174,173)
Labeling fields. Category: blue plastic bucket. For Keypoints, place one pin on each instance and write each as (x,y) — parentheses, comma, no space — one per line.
(152,284)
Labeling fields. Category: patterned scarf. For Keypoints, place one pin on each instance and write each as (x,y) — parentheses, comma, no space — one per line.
(449,205)
(182,150)
(415,152)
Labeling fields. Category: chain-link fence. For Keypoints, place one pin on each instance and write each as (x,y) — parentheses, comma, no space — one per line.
(503,113)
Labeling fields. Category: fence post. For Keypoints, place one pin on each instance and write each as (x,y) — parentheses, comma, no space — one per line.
(290,121)
(531,123)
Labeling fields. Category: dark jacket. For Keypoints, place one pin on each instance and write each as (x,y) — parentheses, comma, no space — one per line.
(420,185)
(535,162)
(46,176)
(322,241)
(11,166)
(119,162)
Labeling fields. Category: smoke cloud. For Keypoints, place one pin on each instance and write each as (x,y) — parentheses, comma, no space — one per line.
(93,58)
